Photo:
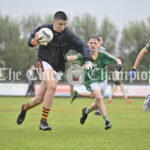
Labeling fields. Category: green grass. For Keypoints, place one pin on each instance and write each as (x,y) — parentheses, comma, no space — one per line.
(130,126)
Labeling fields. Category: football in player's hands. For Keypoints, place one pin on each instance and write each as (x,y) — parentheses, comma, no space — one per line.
(45,35)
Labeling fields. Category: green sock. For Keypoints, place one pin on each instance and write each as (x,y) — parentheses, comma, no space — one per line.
(87,111)
(106,118)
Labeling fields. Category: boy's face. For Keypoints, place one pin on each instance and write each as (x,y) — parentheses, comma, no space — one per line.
(59,25)
(93,44)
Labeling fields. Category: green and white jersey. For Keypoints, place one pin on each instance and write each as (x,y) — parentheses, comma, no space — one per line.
(97,73)
(148,47)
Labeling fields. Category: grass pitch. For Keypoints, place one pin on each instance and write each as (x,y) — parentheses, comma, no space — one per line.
(130,126)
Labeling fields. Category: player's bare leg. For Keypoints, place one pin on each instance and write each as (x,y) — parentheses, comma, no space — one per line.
(86,111)
(76,94)
(101,106)
(50,82)
(32,103)
(89,95)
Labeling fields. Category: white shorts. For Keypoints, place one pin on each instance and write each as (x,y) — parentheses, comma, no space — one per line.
(43,66)
(99,86)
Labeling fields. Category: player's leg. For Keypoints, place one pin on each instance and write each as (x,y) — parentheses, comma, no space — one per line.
(101,106)
(147,103)
(32,103)
(76,94)
(49,78)
(86,111)
(97,112)
(99,102)
(99,91)
(88,95)
(50,82)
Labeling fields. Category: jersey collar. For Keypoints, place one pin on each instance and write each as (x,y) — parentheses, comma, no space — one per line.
(95,56)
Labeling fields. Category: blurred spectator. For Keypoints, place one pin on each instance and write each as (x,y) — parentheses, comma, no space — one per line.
(31,76)
(118,82)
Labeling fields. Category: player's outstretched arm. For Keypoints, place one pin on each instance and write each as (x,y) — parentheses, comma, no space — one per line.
(139,57)
(137,62)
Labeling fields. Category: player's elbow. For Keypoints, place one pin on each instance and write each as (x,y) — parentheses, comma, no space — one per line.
(71,58)
(29,43)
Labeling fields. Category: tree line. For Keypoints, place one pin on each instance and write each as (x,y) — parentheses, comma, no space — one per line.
(125,43)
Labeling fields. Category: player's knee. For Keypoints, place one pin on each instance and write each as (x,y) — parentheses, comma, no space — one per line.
(52,87)
(99,98)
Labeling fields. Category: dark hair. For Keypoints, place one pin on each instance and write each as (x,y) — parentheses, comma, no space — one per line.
(99,35)
(60,15)
(94,37)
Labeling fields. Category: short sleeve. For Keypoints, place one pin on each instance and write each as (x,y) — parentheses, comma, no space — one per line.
(148,47)
(80,58)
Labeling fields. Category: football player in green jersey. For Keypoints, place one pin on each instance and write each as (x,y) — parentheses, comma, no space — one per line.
(145,50)
(96,78)
(76,94)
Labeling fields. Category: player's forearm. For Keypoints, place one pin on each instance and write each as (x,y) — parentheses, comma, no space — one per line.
(71,58)
(139,58)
